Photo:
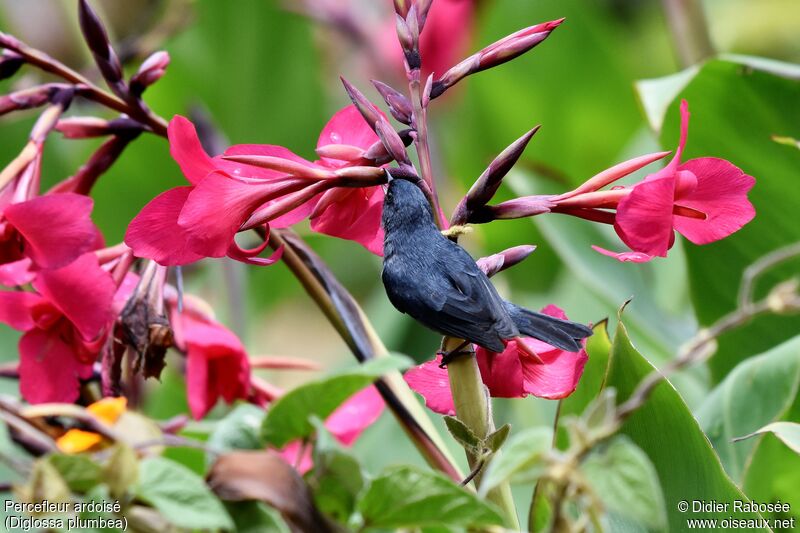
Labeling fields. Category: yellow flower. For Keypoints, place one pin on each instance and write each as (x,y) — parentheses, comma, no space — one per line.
(107,411)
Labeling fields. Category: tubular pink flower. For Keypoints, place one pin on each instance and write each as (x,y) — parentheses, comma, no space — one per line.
(352,214)
(704,199)
(509,374)
(65,324)
(216,361)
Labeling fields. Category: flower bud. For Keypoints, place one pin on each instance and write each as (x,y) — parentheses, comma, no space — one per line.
(10,63)
(495,263)
(26,98)
(399,106)
(149,72)
(526,206)
(97,39)
(367,109)
(90,127)
(391,140)
(341,152)
(495,54)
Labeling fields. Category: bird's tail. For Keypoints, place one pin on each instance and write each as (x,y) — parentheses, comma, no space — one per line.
(554,331)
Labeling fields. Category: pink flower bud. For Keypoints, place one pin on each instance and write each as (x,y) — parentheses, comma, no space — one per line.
(496,54)
(526,206)
(149,72)
(495,263)
(399,106)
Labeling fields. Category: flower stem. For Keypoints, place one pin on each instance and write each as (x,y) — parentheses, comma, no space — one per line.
(471,400)
(422,144)
(687,23)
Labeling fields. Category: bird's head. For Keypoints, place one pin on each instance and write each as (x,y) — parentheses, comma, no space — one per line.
(405,202)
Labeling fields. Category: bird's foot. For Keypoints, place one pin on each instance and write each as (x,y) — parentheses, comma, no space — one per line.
(448,357)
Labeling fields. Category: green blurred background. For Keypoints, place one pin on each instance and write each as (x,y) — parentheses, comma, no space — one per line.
(265,75)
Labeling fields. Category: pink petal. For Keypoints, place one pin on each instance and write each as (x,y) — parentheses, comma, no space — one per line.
(356,414)
(250,256)
(501,372)
(56,227)
(17,273)
(644,217)
(347,126)
(217,365)
(215,210)
(356,217)
(240,170)
(558,375)
(291,455)
(155,234)
(186,150)
(433,384)
(721,194)
(82,291)
(16,308)
(624,257)
(49,370)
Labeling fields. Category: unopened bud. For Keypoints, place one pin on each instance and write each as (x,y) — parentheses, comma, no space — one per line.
(401,7)
(281,164)
(341,152)
(26,98)
(495,263)
(149,72)
(90,127)
(423,6)
(97,39)
(526,206)
(10,63)
(399,106)
(484,189)
(391,140)
(367,109)
(496,54)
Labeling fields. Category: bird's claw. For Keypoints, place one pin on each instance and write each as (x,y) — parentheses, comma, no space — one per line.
(448,357)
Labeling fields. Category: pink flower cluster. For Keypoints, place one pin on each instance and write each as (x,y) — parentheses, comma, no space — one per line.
(339,193)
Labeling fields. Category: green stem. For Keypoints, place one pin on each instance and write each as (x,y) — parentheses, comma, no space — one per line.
(471,401)
(687,23)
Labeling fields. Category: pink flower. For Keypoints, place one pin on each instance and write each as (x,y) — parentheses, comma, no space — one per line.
(349,213)
(46,231)
(346,424)
(216,361)
(510,374)
(704,199)
(65,323)
(185,224)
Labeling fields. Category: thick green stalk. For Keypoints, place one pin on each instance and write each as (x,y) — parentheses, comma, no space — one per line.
(471,400)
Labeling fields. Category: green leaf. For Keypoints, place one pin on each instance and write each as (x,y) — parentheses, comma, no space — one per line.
(594,375)
(657,94)
(336,478)
(239,430)
(79,471)
(788,432)
(522,458)
(122,470)
(758,391)
(180,495)
(666,431)
(256,517)
(627,483)
(722,97)
(407,497)
(463,434)
(496,439)
(288,418)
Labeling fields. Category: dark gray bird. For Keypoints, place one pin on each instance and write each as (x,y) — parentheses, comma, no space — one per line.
(434,280)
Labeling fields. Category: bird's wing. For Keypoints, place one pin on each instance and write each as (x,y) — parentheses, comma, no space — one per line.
(468,305)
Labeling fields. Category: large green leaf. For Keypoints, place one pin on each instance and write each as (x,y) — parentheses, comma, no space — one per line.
(180,495)
(289,417)
(666,431)
(625,481)
(735,111)
(758,391)
(407,497)
(239,430)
